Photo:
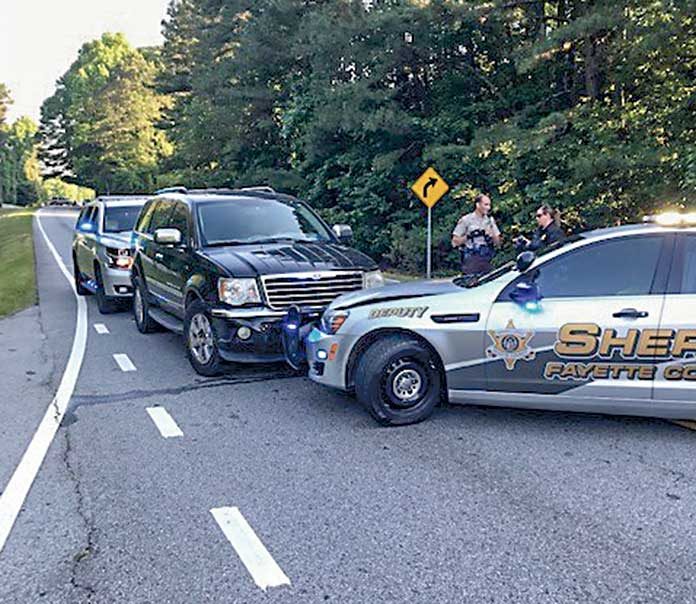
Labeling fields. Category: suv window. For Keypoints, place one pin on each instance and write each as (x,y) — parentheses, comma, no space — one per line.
(616,267)
(145,217)
(90,216)
(160,216)
(118,219)
(258,220)
(179,220)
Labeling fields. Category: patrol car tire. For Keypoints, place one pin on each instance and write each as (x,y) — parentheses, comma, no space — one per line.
(141,307)
(79,287)
(105,304)
(382,365)
(198,326)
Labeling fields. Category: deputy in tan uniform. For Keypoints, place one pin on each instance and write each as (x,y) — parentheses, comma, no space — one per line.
(476,235)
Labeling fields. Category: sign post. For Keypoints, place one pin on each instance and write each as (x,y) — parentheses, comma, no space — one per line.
(430,188)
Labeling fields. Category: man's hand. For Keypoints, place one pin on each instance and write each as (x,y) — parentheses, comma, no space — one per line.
(458,241)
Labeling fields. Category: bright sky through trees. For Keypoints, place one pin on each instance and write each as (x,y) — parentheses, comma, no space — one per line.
(39,40)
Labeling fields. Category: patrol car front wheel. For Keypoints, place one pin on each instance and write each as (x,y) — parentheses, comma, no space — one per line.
(398,381)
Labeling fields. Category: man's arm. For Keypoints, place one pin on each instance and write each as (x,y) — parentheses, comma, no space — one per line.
(459,233)
(458,240)
(494,233)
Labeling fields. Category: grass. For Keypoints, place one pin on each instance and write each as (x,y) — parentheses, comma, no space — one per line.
(17,279)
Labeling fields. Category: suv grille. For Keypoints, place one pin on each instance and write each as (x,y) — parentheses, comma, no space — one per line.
(313,290)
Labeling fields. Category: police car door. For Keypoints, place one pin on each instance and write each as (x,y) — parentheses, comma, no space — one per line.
(675,381)
(582,340)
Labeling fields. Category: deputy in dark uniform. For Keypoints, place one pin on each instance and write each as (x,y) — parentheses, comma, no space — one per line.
(548,232)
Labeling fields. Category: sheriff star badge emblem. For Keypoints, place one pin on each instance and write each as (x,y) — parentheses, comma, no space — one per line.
(511,344)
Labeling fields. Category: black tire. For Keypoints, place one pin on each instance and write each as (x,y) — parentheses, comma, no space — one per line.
(79,287)
(105,304)
(201,340)
(141,308)
(398,380)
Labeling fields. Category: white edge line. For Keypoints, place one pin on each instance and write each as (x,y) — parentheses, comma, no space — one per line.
(17,489)
(252,552)
(124,362)
(165,423)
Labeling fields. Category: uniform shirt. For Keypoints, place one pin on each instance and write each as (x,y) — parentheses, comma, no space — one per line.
(473,222)
(544,237)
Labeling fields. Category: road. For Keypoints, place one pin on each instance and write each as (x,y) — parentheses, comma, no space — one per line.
(475,505)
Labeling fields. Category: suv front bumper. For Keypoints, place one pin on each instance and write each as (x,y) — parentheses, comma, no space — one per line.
(264,344)
(117,282)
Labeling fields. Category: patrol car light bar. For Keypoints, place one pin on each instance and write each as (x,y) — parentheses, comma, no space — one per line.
(672,219)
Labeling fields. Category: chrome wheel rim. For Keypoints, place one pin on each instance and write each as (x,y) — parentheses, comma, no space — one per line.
(138,304)
(406,385)
(201,340)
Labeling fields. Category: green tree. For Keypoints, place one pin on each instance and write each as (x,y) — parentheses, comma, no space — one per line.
(100,126)
(19,171)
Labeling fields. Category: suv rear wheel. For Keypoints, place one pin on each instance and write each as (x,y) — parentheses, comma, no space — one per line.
(398,381)
(201,340)
(141,306)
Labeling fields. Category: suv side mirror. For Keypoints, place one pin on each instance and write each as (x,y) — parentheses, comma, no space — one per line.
(168,236)
(525,260)
(344,232)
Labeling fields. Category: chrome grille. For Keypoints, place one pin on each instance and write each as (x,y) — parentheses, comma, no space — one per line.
(313,290)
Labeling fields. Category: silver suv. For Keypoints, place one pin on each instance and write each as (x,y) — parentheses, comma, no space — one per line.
(101,249)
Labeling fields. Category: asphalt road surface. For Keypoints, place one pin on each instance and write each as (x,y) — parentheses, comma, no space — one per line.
(268,488)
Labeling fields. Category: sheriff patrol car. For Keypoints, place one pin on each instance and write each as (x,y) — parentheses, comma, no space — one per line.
(604,323)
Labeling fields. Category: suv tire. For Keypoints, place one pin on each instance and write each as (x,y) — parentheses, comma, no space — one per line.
(141,308)
(79,287)
(398,380)
(105,304)
(201,340)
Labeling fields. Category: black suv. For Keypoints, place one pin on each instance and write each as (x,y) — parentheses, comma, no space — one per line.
(224,266)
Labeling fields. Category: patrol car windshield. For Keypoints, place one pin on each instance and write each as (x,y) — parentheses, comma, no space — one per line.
(470,281)
(120,218)
(257,220)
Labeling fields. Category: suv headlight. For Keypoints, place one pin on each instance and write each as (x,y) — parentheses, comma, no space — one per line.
(332,320)
(238,292)
(373,279)
(119,258)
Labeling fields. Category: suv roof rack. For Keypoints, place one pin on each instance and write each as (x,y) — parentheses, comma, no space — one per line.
(216,191)
(178,189)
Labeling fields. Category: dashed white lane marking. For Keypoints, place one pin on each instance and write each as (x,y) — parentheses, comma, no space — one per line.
(101,329)
(14,495)
(124,362)
(260,564)
(165,423)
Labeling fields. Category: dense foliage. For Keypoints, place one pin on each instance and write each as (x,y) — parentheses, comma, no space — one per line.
(21,181)
(100,126)
(587,105)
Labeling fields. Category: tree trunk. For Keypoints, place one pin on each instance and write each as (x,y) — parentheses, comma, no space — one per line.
(591,69)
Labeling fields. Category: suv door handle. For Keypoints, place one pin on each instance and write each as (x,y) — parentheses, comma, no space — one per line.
(630,313)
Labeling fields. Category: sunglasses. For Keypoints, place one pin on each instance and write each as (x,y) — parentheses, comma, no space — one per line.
(539,214)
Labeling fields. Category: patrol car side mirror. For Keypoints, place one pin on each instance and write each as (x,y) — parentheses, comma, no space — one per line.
(344,232)
(525,260)
(168,236)
(526,294)
(85,227)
